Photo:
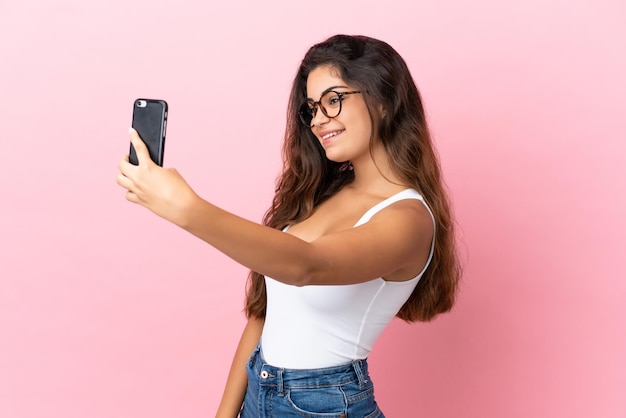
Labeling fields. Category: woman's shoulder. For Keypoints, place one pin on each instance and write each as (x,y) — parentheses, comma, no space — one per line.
(406,200)
(347,209)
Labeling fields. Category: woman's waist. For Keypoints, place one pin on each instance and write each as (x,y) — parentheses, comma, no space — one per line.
(307,348)
(345,373)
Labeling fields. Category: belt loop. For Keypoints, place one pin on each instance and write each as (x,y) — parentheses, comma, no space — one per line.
(280,383)
(358,369)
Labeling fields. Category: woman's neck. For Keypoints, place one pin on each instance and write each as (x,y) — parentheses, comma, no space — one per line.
(373,174)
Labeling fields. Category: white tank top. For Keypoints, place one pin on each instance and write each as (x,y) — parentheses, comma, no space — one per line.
(319,326)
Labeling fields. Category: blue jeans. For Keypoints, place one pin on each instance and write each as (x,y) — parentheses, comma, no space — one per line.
(344,391)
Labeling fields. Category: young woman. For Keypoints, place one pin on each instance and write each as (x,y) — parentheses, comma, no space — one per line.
(359,231)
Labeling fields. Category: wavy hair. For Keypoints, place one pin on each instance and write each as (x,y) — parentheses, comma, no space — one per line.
(309,178)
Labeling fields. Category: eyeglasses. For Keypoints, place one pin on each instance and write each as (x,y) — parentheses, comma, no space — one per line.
(329,104)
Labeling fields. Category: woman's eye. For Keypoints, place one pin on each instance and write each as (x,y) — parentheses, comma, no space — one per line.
(334,101)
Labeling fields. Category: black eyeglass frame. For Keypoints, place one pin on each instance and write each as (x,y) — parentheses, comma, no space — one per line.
(311,111)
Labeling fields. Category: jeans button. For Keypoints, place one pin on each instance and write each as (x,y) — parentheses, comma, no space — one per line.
(264,374)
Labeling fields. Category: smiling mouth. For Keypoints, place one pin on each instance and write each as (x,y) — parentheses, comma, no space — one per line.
(330,135)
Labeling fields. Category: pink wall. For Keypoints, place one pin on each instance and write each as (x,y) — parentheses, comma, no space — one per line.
(108,311)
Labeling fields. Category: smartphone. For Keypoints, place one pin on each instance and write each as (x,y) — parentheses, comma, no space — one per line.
(150,122)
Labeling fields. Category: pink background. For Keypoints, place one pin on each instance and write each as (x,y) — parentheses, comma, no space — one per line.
(108,311)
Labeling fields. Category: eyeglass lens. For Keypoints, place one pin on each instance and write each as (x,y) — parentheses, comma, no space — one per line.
(329,104)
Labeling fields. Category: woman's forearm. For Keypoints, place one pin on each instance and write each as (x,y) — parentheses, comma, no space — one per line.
(260,248)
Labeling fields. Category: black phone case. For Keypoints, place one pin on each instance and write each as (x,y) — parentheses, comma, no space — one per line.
(150,122)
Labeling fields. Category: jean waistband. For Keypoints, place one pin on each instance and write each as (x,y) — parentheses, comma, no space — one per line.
(355,371)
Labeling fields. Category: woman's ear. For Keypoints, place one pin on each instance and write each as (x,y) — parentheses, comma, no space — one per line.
(382,111)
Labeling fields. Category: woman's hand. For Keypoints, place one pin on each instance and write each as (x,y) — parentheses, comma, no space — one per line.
(162,190)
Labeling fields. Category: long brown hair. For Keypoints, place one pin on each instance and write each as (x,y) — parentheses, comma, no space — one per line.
(309,178)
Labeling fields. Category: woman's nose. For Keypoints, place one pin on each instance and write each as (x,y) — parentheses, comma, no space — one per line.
(319,117)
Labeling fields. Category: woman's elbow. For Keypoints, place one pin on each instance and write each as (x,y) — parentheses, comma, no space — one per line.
(304,277)
(312,269)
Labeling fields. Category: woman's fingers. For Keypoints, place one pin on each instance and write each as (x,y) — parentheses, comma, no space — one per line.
(129,174)
(143,155)
(123,180)
(163,191)
(131,197)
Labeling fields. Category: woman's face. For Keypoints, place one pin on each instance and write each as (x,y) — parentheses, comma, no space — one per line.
(345,137)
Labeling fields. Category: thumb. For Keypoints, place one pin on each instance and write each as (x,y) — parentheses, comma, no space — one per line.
(143,155)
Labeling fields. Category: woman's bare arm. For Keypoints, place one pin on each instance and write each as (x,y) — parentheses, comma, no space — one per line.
(389,242)
(235,388)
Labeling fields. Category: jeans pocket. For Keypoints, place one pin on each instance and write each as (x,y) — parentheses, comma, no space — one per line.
(327,402)
(361,403)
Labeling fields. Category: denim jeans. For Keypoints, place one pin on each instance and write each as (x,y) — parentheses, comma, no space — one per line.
(344,391)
